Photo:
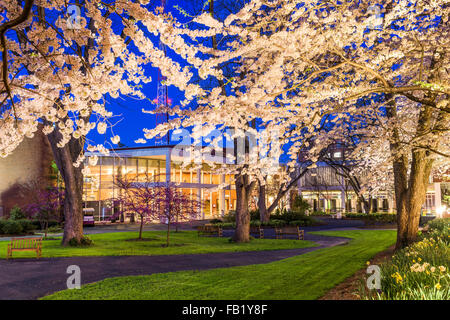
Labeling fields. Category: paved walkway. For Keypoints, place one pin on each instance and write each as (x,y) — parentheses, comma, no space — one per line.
(31,278)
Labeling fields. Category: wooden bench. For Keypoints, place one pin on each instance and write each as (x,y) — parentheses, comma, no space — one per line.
(258,231)
(284,231)
(25,244)
(209,230)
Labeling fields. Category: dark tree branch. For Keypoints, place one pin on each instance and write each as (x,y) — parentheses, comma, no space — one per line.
(3,28)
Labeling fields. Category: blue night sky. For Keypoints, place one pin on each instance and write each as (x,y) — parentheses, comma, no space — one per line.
(129,120)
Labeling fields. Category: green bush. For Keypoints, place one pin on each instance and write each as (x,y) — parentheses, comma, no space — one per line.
(373,217)
(300,205)
(215,221)
(439,225)
(290,216)
(226,225)
(15,227)
(83,242)
(27,225)
(279,212)
(302,223)
(254,215)
(16,213)
(54,229)
(11,227)
(51,223)
(274,223)
(2,223)
(230,217)
(255,223)
(320,213)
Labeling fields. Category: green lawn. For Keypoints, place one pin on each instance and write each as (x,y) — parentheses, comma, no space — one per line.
(183,242)
(308,276)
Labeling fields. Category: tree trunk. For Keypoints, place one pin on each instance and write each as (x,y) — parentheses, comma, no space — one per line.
(400,187)
(73,206)
(168,233)
(264,214)
(141,227)
(367,204)
(410,194)
(410,200)
(243,190)
(420,172)
(73,183)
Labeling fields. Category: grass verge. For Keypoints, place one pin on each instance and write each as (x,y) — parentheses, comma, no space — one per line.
(182,242)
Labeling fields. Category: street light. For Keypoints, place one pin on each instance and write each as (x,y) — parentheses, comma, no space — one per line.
(440,211)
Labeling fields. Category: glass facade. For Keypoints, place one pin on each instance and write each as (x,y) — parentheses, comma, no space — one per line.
(99,188)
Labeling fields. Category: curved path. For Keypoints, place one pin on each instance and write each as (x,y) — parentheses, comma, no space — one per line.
(31,278)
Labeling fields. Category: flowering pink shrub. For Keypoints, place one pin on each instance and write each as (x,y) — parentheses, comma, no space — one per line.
(153,200)
(46,206)
(174,206)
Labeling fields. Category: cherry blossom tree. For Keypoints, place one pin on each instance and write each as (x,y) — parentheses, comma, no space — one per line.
(301,63)
(62,64)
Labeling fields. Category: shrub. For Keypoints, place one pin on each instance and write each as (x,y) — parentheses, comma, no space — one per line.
(290,216)
(51,223)
(226,225)
(301,223)
(16,213)
(215,221)
(255,223)
(230,217)
(319,213)
(54,229)
(439,225)
(2,223)
(274,223)
(373,217)
(12,227)
(27,225)
(300,205)
(83,242)
(15,227)
(254,215)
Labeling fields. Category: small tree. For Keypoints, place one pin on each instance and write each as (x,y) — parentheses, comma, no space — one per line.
(46,206)
(173,206)
(16,213)
(137,198)
(299,205)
